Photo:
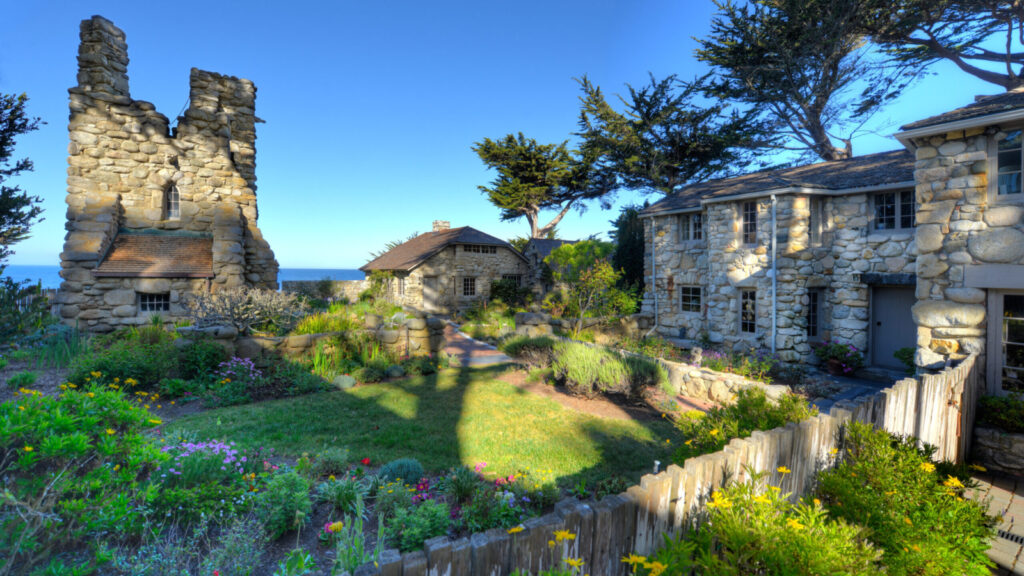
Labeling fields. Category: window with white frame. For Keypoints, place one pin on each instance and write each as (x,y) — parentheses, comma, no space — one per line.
(1012,336)
(690,298)
(749,223)
(155,302)
(748,311)
(172,203)
(1009,166)
(895,210)
(691,227)
(401,286)
(469,286)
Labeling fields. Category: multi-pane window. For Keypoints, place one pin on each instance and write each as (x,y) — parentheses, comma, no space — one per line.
(748,311)
(895,210)
(750,222)
(815,221)
(480,249)
(469,286)
(813,314)
(401,286)
(691,227)
(517,279)
(689,298)
(172,203)
(154,302)
(1010,161)
(1012,369)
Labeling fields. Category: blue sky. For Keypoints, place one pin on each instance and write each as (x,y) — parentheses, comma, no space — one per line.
(371,107)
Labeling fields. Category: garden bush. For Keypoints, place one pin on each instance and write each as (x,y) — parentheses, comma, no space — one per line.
(419,365)
(200,358)
(146,363)
(845,356)
(645,374)
(205,479)
(461,483)
(488,508)
(704,433)
(345,494)
(285,504)
(391,497)
(22,379)
(754,365)
(406,469)
(73,466)
(753,529)
(371,373)
(331,461)
(914,508)
(411,527)
(235,547)
(586,370)
(1003,412)
(246,309)
(536,352)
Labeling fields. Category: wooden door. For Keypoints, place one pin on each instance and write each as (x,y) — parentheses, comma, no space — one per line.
(431,297)
(892,324)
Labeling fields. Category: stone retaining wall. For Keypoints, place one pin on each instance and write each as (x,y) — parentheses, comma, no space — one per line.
(999,451)
(935,408)
(712,386)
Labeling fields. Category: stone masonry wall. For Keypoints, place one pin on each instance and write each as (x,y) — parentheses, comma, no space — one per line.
(123,158)
(958,226)
(450,266)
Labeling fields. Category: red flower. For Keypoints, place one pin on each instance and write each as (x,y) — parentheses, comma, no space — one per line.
(365,461)
(216,573)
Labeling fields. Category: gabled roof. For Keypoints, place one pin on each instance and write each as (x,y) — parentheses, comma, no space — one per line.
(984,106)
(152,255)
(544,246)
(884,168)
(412,253)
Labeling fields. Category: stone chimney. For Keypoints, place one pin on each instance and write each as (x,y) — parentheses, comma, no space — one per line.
(442,225)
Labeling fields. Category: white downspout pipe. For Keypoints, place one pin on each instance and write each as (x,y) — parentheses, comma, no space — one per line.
(775,275)
(654,275)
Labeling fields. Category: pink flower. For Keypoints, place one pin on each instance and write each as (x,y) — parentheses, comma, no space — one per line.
(480,466)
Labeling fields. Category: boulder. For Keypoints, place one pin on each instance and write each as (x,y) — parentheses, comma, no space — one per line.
(395,371)
(998,245)
(946,314)
(344,381)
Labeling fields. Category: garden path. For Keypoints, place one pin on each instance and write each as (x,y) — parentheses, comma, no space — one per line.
(1007,494)
(469,351)
(852,388)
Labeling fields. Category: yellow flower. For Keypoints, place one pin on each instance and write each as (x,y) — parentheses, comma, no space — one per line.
(116,379)
(515,529)
(688,442)
(117,467)
(714,432)
(783,470)
(574,562)
(551,543)
(794,524)
(96,374)
(634,559)
(908,521)
(761,499)
(111,431)
(719,501)
(952,482)
(155,421)
(927,467)
(916,548)
(656,568)
(978,468)
(833,452)
(335,527)
(29,448)
(331,478)
(90,394)
(667,441)
(817,502)
(564,535)
(22,408)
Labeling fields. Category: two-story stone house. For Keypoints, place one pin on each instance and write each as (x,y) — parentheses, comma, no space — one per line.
(921,248)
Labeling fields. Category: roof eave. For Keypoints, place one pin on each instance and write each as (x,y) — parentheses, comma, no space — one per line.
(906,137)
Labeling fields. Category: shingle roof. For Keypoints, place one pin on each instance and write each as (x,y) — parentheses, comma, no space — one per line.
(158,256)
(544,246)
(985,106)
(412,253)
(860,171)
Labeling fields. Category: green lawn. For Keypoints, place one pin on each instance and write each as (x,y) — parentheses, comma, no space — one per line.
(459,416)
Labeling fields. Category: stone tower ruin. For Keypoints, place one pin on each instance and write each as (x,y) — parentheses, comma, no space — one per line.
(156,213)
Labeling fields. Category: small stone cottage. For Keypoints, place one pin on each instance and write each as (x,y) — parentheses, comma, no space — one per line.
(156,213)
(448,269)
(919,249)
(537,249)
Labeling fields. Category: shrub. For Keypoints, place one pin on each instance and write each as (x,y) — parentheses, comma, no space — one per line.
(147,364)
(392,497)
(508,292)
(906,357)
(535,352)
(73,467)
(915,511)
(411,527)
(461,484)
(23,308)
(643,374)
(419,365)
(345,494)
(204,479)
(755,365)
(333,460)
(710,432)
(22,379)
(407,469)
(589,369)
(371,373)
(236,381)
(753,529)
(237,547)
(177,388)
(846,356)
(488,509)
(246,309)
(350,545)
(284,505)
(326,322)
(200,358)
(1003,412)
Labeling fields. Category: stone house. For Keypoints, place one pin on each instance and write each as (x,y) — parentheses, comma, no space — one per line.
(536,250)
(920,248)
(156,213)
(448,269)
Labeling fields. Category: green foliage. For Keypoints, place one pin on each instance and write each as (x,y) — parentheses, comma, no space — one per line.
(752,529)
(18,210)
(23,308)
(177,388)
(323,322)
(285,504)
(22,379)
(488,509)
(651,346)
(298,562)
(591,283)
(1003,412)
(200,358)
(371,372)
(536,352)
(461,484)
(916,515)
(568,262)
(411,527)
(147,362)
(628,236)
(332,460)
(508,292)
(72,465)
(586,370)
(419,365)
(345,494)
(754,365)
(392,497)
(704,433)
(247,310)
(402,469)
(846,355)
(906,357)
(3,362)
(534,177)
(237,547)
(56,346)
(350,551)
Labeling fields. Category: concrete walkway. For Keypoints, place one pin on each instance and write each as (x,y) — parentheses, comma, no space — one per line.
(1007,494)
(469,351)
(852,388)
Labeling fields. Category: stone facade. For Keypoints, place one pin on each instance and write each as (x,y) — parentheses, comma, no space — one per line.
(126,163)
(838,263)
(998,450)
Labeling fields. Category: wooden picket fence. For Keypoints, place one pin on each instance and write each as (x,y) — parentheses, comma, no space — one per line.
(938,409)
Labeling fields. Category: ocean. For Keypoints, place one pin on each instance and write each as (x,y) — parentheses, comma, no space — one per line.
(50,277)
